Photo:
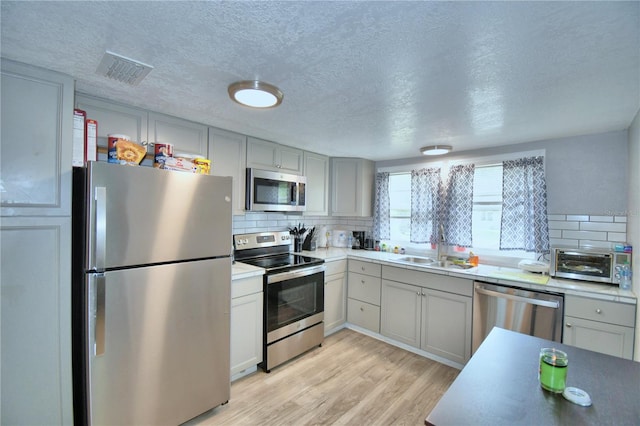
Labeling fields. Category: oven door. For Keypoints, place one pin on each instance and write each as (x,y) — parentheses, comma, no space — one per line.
(294,300)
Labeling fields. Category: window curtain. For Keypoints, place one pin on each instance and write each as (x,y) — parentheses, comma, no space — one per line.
(457,210)
(382,209)
(425,201)
(524,224)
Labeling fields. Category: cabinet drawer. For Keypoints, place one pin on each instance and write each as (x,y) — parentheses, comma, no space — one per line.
(600,310)
(363,315)
(366,268)
(364,287)
(246,286)
(335,267)
(430,280)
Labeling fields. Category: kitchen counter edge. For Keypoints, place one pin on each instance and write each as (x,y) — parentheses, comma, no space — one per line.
(483,273)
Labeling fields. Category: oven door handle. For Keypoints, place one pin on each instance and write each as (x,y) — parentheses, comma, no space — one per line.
(296,273)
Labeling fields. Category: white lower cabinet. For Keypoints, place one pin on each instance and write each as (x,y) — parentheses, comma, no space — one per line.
(246,323)
(335,295)
(363,295)
(599,326)
(416,312)
(36,320)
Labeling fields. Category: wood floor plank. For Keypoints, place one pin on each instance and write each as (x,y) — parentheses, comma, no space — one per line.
(352,379)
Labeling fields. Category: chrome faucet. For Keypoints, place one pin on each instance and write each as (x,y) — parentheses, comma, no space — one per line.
(442,250)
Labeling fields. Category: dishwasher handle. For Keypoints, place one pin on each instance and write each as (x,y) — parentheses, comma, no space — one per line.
(546,303)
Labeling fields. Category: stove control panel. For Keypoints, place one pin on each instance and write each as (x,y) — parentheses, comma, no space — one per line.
(261,240)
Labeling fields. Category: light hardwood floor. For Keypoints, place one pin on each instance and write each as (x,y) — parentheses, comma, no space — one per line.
(352,379)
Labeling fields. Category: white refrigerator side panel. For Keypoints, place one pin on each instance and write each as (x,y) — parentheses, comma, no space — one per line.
(162,342)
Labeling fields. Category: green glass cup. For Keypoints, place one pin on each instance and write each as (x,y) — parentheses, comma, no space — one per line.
(553,369)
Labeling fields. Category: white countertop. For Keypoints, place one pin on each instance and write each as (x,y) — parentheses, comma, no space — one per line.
(242,270)
(486,273)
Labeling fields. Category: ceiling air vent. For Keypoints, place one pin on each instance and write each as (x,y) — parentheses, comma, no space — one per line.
(123,69)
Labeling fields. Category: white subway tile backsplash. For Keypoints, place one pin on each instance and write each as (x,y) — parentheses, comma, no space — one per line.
(556,217)
(585,235)
(555,233)
(620,219)
(603,226)
(601,218)
(618,237)
(579,218)
(556,224)
(563,242)
(595,244)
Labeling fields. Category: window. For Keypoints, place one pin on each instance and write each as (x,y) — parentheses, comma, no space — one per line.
(400,207)
(486,215)
(487,207)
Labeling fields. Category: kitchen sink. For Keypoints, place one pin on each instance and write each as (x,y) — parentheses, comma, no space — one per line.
(418,260)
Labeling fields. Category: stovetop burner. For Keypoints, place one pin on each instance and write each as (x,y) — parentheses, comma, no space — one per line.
(271,251)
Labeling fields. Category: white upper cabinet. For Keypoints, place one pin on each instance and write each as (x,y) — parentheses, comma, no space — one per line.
(316,170)
(352,187)
(144,126)
(267,155)
(37,126)
(114,118)
(228,155)
(186,136)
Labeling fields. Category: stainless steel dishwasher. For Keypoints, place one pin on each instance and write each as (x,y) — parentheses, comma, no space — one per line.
(525,311)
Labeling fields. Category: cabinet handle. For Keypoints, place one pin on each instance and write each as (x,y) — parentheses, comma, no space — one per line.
(598,311)
(418,293)
(362,267)
(362,308)
(569,325)
(362,281)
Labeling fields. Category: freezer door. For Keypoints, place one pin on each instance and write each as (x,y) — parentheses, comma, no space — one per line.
(142,215)
(158,342)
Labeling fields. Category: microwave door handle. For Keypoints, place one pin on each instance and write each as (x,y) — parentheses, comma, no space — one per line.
(294,194)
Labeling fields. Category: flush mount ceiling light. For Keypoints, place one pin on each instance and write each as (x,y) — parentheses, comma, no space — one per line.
(255,94)
(436,149)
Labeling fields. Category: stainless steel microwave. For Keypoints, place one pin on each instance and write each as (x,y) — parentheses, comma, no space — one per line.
(269,191)
(587,264)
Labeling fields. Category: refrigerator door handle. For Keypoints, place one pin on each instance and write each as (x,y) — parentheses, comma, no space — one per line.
(101,228)
(97,314)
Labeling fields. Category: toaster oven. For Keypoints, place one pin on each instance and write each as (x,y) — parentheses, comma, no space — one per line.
(588,264)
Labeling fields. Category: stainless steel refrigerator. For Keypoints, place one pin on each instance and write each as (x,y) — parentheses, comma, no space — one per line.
(151,294)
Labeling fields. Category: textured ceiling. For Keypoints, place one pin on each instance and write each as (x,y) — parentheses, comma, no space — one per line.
(368,79)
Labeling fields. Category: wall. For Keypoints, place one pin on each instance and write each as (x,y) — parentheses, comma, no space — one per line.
(586,175)
(259,222)
(633,213)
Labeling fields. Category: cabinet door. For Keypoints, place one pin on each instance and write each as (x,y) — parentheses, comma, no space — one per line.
(267,155)
(316,169)
(36,321)
(246,332)
(228,155)
(187,137)
(290,160)
(114,118)
(261,154)
(446,325)
(600,337)
(364,287)
(335,301)
(344,187)
(37,126)
(363,315)
(400,312)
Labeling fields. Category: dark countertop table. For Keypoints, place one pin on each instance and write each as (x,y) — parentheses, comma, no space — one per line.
(499,386)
